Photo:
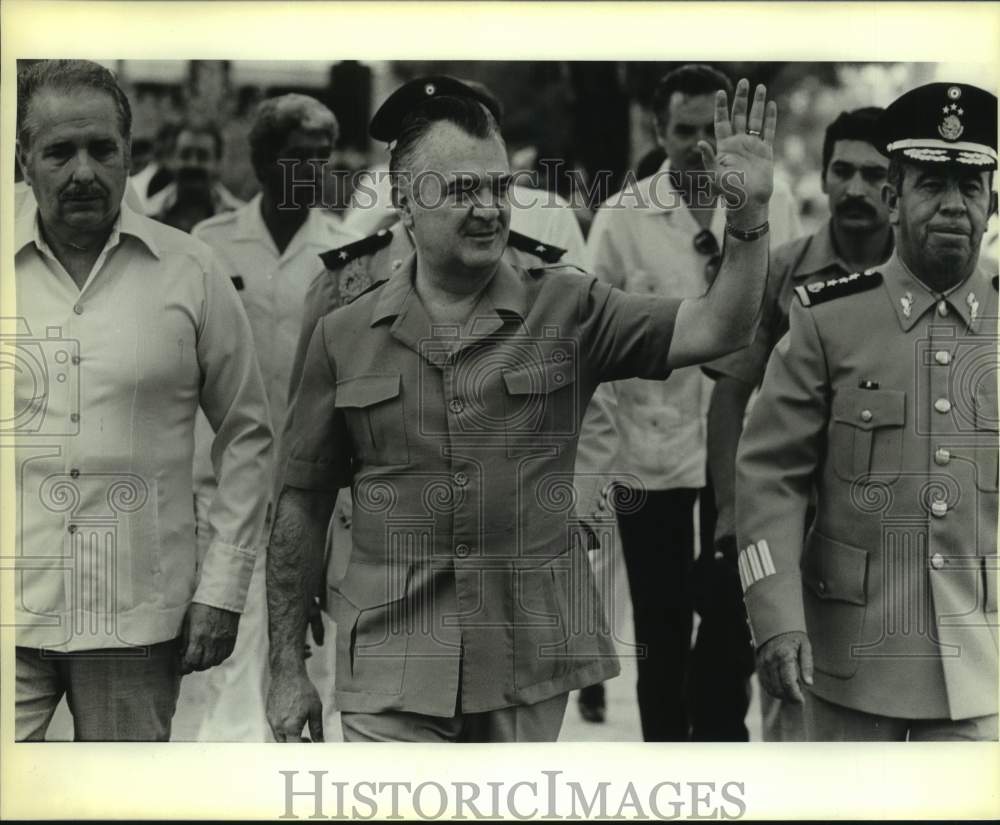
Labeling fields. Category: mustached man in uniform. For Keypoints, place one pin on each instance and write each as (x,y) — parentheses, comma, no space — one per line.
(449,399)
(883,394)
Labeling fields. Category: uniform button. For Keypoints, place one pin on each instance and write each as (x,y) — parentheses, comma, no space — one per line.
(942,308)
(942,456)
(456,405)
(937,561)
(822,587)
(74,417)
(74,473)
(72,528)
(866,415)
(461,479)
(78,309)
(462,550)
(75,359)
(939,508)
(942,405)
(943,357)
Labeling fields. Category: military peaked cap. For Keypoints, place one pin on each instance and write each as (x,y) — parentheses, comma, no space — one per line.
(388,120)
(943,123)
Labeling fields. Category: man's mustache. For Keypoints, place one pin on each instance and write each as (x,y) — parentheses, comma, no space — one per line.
(857,206)
(79,193)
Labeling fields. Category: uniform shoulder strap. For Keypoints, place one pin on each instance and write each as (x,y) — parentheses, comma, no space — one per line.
(343,255)
(547,252)
(540,271)
(822,291)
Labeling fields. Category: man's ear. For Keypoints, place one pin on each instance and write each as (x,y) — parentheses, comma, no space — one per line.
(993,203)
(660,127)
(401,200)
(22,161)
(890,197)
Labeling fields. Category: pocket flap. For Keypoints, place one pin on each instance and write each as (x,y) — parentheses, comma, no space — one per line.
(366,390)
(833,570)
(372,585)
(868,409)
(540,379)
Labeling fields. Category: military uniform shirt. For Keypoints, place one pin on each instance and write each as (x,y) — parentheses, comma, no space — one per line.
(468,588)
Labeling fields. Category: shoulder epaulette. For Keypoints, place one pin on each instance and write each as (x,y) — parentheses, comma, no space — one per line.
(336,258)
(823,291)
(539,271)
(547,252)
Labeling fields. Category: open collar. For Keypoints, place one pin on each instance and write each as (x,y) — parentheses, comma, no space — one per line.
(27,228)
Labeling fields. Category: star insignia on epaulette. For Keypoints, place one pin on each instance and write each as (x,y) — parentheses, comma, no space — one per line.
(336,258)
(547,252)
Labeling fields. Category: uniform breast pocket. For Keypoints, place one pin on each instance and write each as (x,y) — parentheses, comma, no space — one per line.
(376,418)
(866,434)
(540,405)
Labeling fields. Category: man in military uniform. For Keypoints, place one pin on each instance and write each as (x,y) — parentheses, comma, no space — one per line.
(449,397)
(883,395)
(856,237)
(356,267)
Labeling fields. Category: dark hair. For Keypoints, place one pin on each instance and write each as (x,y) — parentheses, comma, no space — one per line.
(199,128)
(68,76)
(861,124)
(277,117)
(689,79)
(468,114)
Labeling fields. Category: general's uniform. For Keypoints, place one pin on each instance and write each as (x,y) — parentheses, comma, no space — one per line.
(468,588)
(886,398)
(804,261)
(883,395)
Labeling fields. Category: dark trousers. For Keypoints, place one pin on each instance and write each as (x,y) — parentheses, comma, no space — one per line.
(723,660)
(701,694)
(658,544)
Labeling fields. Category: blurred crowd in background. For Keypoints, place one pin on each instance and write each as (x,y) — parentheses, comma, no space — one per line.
(589,120)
